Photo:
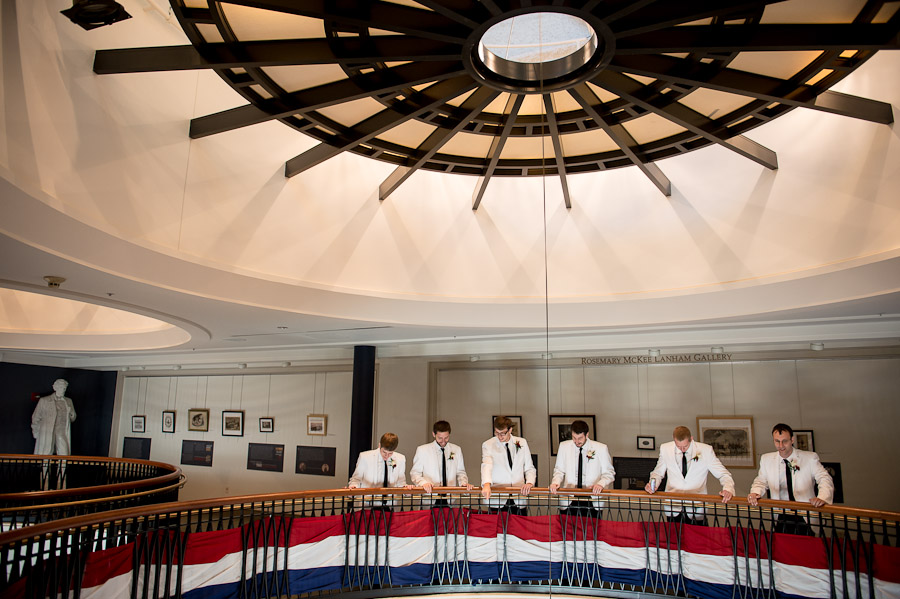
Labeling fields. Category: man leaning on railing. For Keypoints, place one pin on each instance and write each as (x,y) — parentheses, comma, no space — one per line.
(582,463)
(791,475)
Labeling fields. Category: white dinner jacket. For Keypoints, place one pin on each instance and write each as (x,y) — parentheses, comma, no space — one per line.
(369,472)
(596,467)
(426,466)
(496,471)
(808,472)
(702,461)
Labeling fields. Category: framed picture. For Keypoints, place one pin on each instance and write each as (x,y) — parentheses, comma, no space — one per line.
(315,460)
(316,424)
(232,423)
(803,440)
(198,419)
(168,421)
(646,442)
(138,424)
(561,428)
(267,425)
(731,437)
(516,427)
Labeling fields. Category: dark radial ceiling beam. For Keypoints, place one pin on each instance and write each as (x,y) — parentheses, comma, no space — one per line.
(428,99)
(589,101)
(471,107)
(460,11)
(407,20)
(761,87)
(273,53)
(513,104)
(558,155)
(693,121)
(378,82)
(763,37)
(665,14)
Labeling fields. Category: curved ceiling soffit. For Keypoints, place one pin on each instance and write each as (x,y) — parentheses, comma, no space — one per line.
(41,318)
(665,79)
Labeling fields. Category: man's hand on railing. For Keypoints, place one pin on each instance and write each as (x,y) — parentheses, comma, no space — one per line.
(816,501)
(650,489)
(726,495)
(428,487)
(554,487)
(486,491)
(596,489)
(526,489)
(352,486)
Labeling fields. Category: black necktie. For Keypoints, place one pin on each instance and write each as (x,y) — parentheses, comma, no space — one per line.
(789,477)
(580,468)
(684,464)
(385,484)
(508,456)
(443,468)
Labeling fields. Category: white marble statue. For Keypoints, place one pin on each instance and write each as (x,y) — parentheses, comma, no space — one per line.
(51,421)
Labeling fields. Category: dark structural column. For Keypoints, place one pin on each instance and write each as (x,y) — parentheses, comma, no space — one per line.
(362,407)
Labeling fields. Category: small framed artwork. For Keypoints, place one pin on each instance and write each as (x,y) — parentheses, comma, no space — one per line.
(267,425)
(646,442)
(731,437)
(138,424)
(198,419)
(232,423)
(516,427)
(561,428)
(316,424)
(168,421)
(803,440)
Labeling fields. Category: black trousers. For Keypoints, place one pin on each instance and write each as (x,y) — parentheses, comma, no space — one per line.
(510,507)
(582,508)
(793,525)
(683,518)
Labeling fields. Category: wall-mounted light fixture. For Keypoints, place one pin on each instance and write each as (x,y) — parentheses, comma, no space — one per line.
(816,346)
(653,352)
(717,349)
(90,14)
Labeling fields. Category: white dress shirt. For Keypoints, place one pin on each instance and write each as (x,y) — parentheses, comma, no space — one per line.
(426,466)
(596,467)
(369,472)
(807,471)
(495,467)
(701,460)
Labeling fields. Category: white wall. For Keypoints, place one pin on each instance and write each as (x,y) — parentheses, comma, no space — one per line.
(288,398)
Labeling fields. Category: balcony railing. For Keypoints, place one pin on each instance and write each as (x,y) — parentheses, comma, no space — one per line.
(36,489)
(392,542)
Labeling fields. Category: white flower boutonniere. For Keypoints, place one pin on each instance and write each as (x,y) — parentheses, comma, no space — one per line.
(452,455)
(518,445)
(794,466)
(590,454)
(695,458)
(392,463)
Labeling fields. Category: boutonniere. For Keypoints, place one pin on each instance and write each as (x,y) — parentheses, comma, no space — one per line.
(452,455)
(518,445)
(590,454)
(695,458)
(794,465)
(392,463)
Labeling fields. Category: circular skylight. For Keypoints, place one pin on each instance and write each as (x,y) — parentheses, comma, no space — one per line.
(537,46)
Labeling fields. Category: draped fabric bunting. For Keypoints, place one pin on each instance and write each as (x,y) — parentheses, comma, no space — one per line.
(333,552)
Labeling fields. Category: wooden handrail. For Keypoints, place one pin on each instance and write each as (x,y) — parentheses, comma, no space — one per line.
(175,474)
(205,504)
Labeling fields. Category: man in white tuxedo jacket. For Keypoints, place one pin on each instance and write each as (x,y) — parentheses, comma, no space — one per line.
(439,463)
(687,463)
(791,475)
(506,462)
(582,463)
(380,468)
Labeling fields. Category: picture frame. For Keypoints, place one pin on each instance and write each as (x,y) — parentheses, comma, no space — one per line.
(804,440)
(561,428)
(198,420)
(647,443)
(516,427)
(317,424)
(267,424)
(139,424)
(232,423)
(731,437)
(168,421)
